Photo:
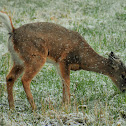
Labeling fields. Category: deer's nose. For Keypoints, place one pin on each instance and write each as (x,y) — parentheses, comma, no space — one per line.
(123,90)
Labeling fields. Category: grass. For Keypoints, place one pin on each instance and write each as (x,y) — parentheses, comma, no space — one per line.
(95,101)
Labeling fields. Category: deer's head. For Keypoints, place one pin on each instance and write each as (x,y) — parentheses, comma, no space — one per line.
(117,71)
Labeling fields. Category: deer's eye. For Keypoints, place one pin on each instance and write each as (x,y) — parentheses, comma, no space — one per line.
(122,76)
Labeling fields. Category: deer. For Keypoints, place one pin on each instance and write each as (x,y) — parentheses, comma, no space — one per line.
(33,44)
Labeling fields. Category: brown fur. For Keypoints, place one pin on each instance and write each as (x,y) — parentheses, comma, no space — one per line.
(35,43)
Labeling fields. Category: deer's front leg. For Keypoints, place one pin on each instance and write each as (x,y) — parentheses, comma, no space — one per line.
(65,76)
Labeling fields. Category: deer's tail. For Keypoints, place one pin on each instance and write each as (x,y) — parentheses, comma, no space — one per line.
(4,18)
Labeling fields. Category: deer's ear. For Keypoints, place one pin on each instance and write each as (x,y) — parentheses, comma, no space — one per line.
(114,61)
(114,58)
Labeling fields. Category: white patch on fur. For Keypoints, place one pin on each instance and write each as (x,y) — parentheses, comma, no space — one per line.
(6,20)
(56,65)
(15,56)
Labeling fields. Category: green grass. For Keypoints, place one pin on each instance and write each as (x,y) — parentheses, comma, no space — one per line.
(95,100)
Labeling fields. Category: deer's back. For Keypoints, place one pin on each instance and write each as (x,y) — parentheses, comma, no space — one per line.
(38,38)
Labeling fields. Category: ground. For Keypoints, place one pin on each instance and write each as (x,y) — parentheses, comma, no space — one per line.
(95,101)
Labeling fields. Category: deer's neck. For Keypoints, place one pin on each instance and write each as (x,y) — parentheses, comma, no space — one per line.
(91,61)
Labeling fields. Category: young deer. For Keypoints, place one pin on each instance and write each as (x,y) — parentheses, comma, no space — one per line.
(31,45)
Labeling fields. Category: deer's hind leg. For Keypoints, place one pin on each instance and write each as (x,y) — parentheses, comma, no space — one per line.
(31,69)
(10,79)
